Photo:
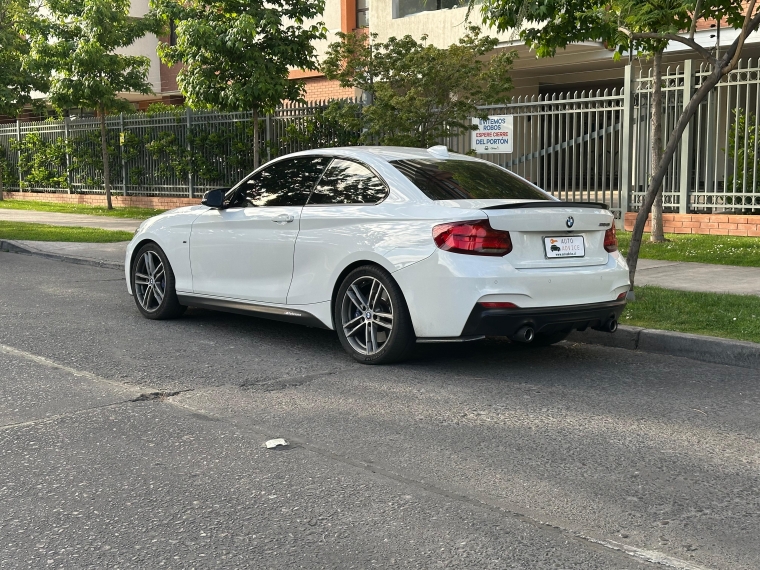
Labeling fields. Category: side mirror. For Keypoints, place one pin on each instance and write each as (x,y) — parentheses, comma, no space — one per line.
(214,198)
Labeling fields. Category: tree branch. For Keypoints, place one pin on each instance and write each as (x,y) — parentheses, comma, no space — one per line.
(706,55)
(735,51)
(694,19)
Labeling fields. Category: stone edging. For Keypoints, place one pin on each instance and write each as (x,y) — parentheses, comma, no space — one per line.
(696,347)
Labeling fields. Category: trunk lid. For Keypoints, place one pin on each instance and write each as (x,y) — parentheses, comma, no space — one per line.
(531,223)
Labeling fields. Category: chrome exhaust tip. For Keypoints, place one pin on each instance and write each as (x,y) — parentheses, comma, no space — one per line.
(525,334)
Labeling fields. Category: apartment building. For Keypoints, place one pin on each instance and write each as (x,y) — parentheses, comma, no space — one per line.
(585,66)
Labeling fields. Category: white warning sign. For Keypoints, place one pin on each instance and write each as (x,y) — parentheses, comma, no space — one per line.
(493,135)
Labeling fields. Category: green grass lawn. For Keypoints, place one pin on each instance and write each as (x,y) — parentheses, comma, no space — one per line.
(43,232)
(40,206)
(722,250)
(713,314)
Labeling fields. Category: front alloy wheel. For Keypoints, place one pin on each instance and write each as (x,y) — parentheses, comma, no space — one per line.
(372,318)
(153,284)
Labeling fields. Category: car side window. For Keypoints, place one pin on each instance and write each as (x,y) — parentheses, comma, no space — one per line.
(348,182)
(284,183)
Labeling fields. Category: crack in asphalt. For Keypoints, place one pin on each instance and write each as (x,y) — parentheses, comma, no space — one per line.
(288,381)
(628,552)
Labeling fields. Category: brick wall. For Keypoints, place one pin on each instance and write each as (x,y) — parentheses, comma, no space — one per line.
(319,88)
(716,224)
(100,200)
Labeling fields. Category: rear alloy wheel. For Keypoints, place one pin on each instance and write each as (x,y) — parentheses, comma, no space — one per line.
(371,317)
(153,284)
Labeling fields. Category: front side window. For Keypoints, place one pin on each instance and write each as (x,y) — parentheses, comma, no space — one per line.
(284,183)
(347,182)
(452,179)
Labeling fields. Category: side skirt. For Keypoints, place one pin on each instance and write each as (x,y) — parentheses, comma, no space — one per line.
(296,316)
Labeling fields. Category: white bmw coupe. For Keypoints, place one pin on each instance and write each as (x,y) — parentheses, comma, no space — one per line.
(387,246)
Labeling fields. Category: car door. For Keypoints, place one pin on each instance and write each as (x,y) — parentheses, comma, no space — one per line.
(340,217)
(245,251)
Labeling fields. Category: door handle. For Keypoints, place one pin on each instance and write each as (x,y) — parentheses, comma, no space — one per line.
(283,219)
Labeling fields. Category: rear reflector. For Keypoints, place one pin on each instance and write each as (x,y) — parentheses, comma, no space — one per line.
(622,295)
(498,305)
(472,238)
(610,239)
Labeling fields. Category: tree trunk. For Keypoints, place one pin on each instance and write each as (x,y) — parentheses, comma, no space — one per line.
(658,175)
(255,139)
(106,166)
(657,235)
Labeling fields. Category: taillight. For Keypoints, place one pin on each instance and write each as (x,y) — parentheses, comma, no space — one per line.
(473,238)
(610,239)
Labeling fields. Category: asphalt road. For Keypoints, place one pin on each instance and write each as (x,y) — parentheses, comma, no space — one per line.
(477,456)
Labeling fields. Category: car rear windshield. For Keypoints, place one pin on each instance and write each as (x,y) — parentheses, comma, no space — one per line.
(451,179)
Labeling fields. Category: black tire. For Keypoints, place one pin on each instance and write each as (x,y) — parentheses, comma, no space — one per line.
(545,339)
(384,347)
(147,283)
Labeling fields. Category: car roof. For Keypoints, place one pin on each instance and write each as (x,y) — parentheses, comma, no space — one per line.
(386,153)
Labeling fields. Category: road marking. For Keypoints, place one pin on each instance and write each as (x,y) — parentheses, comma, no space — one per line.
(649,555)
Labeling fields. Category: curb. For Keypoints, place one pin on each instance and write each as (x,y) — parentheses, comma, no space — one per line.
(695,347)
(13,247)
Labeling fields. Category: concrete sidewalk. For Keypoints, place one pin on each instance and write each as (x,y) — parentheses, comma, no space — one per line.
(700,277)
(79,220)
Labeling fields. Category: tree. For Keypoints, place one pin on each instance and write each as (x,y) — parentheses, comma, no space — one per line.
(17,81)
(75,41)
(237,55)
(420,93)
(554,24)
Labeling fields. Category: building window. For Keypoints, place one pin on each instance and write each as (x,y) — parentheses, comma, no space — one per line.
(172,33)
(362,13)
(409,7)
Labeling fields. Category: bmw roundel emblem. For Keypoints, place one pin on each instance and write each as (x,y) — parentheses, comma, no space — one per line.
(570,222)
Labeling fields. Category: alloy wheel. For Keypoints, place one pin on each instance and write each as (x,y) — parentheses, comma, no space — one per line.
(150,281)
(367,315)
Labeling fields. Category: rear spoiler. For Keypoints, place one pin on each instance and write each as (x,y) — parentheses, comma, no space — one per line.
(549,204)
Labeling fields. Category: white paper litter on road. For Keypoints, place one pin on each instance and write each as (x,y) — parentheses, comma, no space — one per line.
(272,443)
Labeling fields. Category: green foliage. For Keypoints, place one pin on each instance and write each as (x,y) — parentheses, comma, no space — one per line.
(42,162)
(713,314)
(17,80)
(420,93)
(337,125)
(42,206)
(699,248)
(237,56)
(554,24)
(76,43)
(44,232)
(741,150)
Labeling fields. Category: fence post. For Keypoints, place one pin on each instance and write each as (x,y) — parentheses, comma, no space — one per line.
(626,156)
(121,152)
(269,137)
(18,139)
(69,182)
(684,175)
(188,125)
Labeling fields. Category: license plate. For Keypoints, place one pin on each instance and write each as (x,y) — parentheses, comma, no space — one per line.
(567,246)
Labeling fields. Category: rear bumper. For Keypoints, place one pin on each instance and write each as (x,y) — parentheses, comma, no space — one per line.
(506,322)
